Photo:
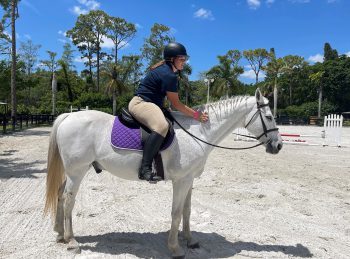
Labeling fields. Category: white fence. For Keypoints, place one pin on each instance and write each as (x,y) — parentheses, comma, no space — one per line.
(329,136)
(72,109)
(333,129)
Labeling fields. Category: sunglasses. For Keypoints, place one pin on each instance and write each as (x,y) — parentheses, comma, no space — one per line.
(182,59)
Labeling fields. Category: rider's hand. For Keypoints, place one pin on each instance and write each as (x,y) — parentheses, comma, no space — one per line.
(201,116)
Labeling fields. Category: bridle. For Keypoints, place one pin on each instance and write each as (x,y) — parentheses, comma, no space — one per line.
(258,112)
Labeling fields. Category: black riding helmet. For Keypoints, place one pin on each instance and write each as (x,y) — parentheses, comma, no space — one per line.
(174,49)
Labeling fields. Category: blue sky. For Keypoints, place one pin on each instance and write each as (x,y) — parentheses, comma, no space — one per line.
(207,28)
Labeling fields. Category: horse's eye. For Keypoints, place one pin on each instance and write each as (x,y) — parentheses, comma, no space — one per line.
(269,117)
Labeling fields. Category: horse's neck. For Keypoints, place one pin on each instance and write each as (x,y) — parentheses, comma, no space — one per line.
(225,116)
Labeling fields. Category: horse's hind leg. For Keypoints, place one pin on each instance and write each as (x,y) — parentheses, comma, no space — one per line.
(59,224)
(71,190)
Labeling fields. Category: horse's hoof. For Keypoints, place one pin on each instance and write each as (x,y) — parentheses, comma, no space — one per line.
(73,247)
(60,239)
(179,257)
(194,245)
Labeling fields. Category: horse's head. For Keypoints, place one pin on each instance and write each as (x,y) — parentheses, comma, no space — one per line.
(260,122)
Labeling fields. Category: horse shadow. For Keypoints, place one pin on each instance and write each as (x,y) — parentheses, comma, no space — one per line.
(16,168)
(154,245)
(35,131)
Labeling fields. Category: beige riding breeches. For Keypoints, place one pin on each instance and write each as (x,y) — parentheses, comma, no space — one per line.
(149,114)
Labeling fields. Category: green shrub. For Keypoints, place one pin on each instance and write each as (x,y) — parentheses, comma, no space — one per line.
(93,100)
(309,109)
(106,110)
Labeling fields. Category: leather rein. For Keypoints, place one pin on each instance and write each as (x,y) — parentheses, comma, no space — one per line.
(258,112)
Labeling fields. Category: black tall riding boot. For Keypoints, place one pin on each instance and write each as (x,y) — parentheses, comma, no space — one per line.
(150,150)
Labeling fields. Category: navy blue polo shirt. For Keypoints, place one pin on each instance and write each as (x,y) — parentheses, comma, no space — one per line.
(157,82)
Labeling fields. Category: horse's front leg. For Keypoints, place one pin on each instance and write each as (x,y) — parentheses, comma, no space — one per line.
(191,243)
(180,190)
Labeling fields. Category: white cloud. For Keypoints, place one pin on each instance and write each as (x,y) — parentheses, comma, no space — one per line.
(80,60)
(63,33)
(83,60)
(347,54)
(254,4)
(91,4)
(268,2)
(300,1)
(316,58)
(78,10)
(27,36)
(250,74)
(107,43)
(332,1)
(85,6)
(138,26)
(204,14)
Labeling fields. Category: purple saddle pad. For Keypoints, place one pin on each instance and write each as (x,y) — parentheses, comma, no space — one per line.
(123,137)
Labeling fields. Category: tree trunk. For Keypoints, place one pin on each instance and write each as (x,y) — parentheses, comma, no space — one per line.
(13,65)
(275,99)
(98,68)
(115,69)
(114,102)
(319,102)
(54,90)
(256,78)
(90,72)
(290,94)
(116,53)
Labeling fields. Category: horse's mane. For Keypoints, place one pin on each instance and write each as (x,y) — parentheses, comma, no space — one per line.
(225,106)
(218,110)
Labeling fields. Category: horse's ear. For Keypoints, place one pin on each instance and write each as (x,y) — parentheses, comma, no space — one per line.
(259,96)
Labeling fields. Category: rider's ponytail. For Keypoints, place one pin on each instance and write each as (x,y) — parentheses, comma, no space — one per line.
(157,64)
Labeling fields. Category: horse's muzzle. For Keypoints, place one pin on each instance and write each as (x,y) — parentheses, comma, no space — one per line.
(274,147)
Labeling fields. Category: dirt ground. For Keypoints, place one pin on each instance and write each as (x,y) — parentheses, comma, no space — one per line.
(246,204)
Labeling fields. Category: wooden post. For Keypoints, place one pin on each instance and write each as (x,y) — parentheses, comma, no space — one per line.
(4,124)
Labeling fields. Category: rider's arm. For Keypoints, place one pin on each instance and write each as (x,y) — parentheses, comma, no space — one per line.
(173,97)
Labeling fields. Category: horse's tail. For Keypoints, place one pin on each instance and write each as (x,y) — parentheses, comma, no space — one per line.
(55,170)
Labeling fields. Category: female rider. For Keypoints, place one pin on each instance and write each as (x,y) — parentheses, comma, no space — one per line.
(147,104)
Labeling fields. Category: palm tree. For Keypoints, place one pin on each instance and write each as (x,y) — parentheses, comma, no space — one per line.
(226,73)
(187,70)
(114,84)
(291,64)
(317,79)
(274,69)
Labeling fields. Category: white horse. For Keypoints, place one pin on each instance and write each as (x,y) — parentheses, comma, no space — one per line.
(78,139)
